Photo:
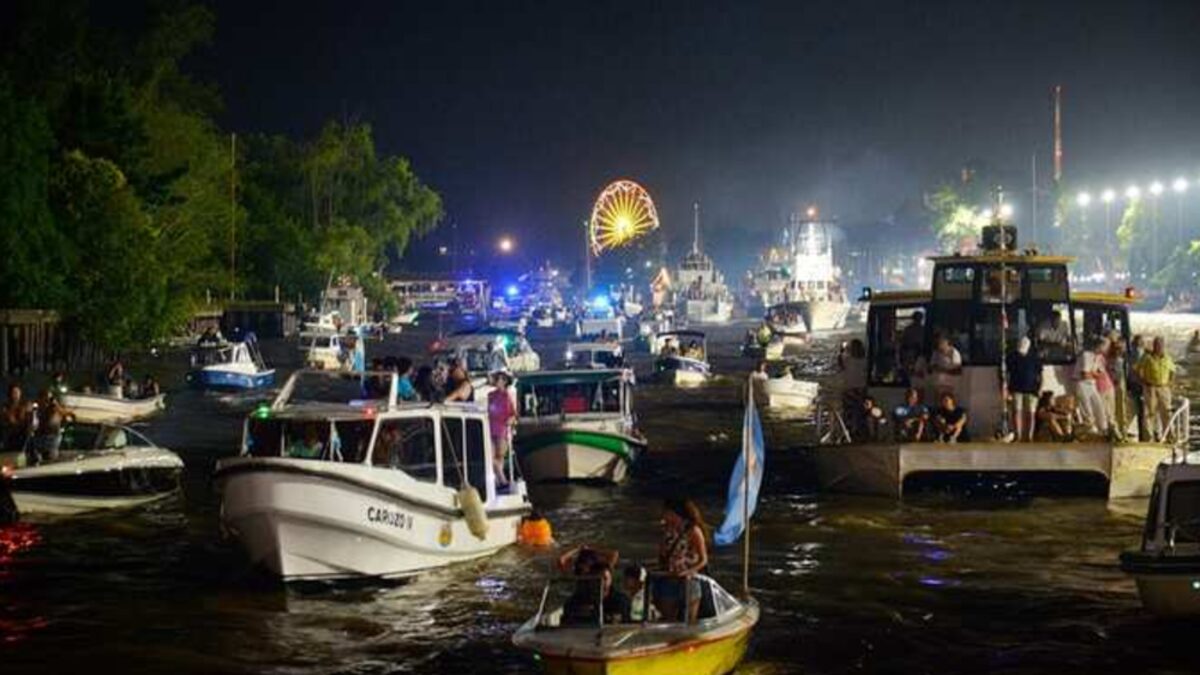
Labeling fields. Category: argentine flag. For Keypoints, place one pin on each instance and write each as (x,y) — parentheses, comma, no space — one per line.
(753,451)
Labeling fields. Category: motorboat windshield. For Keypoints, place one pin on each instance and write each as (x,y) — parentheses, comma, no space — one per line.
(570,393)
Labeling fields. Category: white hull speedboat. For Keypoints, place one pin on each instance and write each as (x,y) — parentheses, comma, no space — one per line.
(333,489)
(1167,566)
(98,408)
(782,392)
(98,467)
(303,519)
(708,311)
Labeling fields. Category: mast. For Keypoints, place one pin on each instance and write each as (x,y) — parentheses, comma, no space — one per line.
(695,227)
(232,215)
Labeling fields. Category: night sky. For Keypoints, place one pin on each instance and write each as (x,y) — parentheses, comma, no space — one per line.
(519,112)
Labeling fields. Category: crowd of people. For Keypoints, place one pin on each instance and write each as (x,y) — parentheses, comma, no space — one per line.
(1103,394)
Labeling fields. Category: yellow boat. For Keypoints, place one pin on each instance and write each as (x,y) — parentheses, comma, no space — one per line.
(712,644)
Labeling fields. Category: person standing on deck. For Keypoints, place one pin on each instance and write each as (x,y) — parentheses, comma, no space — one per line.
(1137,349)
(1087,368)
(1024,383)
(1104,383)
(1157,371)
(502,415)
(1115,360)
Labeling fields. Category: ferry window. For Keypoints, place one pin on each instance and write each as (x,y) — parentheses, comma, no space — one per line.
(952,320)
(452,457)
(1183,511)
(954,283)
(985,345)
(408,445)
(897,340)
(264,438)
(1053,335)
(1047,282)
(477,459)
(1096,322)
(994,281)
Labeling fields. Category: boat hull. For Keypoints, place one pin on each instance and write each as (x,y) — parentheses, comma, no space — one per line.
(300,522)
(112,480)
(882,468)
(98,409)
(577,455)
(637,650)
(1168,585)
(224,379)
(793,395)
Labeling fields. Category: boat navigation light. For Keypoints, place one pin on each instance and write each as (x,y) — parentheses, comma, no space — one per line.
(811,212)
(512,291)
(262,412)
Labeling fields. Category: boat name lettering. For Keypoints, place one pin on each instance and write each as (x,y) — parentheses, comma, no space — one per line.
(397,519)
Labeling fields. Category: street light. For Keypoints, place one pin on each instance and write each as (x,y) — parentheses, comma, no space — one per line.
(1180,185)
(1083,199)
(1133,193)
(505,245)
(1108,195)
(1156,188)
(1006,211)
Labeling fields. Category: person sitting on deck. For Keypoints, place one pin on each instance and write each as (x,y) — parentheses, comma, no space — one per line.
(872,418)
(634,585)
(574,401)
(950,420)
(1054,416)
(911,418)
(1193,345)
(458,386)
(594,594)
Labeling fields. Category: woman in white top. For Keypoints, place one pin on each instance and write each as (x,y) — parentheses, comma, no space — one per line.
(1088,368)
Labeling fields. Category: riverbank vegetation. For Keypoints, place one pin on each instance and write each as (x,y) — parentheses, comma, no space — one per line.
(124,206)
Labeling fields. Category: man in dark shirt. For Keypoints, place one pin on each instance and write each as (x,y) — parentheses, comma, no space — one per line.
(1024,383)
(950,421)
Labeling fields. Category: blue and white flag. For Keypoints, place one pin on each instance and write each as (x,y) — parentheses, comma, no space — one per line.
(737,512)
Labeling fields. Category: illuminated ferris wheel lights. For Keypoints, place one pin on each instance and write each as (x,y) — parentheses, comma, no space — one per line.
(622,213)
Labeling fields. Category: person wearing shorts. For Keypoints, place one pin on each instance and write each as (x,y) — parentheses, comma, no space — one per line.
(1024,383)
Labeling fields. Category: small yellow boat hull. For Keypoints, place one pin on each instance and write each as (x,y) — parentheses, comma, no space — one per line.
(715,657)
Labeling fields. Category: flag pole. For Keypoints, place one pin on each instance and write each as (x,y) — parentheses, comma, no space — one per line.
(746,494)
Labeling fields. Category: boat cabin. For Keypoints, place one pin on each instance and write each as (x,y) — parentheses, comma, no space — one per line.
(575,392)
(596,355)
(1173,515)
(983,304)
(320,417)
(219,354)
(477,348)
(688,344)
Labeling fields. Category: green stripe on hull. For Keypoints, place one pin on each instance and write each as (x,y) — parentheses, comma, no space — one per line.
(608,443)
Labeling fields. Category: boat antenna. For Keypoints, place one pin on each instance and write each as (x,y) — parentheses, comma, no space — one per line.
(696,227)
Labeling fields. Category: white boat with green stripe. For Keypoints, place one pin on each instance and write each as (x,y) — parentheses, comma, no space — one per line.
(577,425)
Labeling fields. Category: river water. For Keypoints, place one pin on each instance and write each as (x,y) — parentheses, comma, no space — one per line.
(995,579)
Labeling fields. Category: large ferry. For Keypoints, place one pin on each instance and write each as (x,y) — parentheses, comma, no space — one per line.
(984,303)
(702,295)
(804,295)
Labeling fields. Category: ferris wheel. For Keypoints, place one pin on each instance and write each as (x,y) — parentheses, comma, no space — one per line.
(623,212)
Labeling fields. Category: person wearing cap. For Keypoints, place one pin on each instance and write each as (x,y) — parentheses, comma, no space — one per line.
(1024,383)
(502,415)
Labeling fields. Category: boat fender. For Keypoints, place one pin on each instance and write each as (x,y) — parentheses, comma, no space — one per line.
(535,530)
(472,508)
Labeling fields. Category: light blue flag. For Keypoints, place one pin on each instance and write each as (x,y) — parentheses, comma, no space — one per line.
(753,449)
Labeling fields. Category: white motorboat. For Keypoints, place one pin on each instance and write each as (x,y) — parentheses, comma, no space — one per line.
(331,484)
(405,317)
(344,352)
(97,466)
(599,320)
(786,392)
(233,365)
(577,425)
(1167,566)
(596,355)
(682,358)
(101,408)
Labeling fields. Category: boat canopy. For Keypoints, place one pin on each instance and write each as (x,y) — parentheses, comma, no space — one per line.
(567,392)
(680,333)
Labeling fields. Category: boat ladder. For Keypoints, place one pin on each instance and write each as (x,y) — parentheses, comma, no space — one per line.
(1179,430)
(831,428)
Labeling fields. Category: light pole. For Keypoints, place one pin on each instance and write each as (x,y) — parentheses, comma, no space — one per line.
(1180,186)
(1132,194)
(1083,199)
(1107,197)
(1156,190)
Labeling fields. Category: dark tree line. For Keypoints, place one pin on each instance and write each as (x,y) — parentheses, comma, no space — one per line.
(123,205)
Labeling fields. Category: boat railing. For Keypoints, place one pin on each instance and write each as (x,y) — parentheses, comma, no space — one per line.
(831,427)
(1179,430)
(645,607)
